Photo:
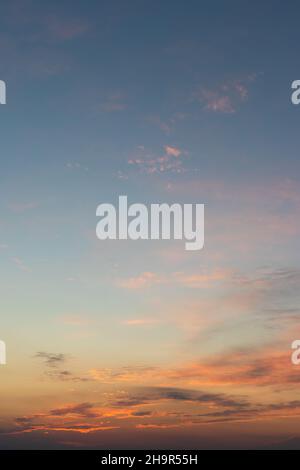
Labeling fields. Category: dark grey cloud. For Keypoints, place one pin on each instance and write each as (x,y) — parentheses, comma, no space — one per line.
(51,359)
(53,363)
(82,409)
(150,394)
(142,413)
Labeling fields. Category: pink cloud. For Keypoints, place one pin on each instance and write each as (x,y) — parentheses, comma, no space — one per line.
(227,97)
(167,126)
(146,279)
(204,279)
(170,161)
(217,103)
(140,322)
(172,151)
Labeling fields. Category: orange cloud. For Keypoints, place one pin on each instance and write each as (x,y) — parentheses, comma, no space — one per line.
(145,279)
(170,161)
(216,103)
(140,321)
(240,368)
(172,151)
(227,97)
(202,279)
(126,374)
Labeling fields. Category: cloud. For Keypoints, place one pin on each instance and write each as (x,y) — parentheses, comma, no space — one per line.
(140,321)
(154,407)
(263,367)
(167,126)
(259,215)
(142,413)
(125,374)
(51,359)
(173,393)
(81,409)
(216,102)
(172,160)
(269,282)
(265,299)
(202,279)
(172,151)
(53,363)
(146,279)
(215,407)
(157,426)
(65,375)
(60,428)
(241,368)
(227,97)
(82,418)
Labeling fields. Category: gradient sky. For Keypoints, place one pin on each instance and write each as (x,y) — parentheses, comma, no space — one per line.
(143,344)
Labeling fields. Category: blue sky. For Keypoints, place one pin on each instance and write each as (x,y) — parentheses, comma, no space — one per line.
(163,102)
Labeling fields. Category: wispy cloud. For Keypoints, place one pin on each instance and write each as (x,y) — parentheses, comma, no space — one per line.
(172,151)
(171,160)
(141,322)
(54,367)
(167,125)
(51,359)
(205,278)
(129,374)
(146,279)
(264,367)
(226,98)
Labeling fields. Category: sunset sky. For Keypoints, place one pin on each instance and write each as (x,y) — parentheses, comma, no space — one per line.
(142,344)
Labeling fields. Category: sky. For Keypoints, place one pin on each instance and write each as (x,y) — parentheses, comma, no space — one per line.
(142,344)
